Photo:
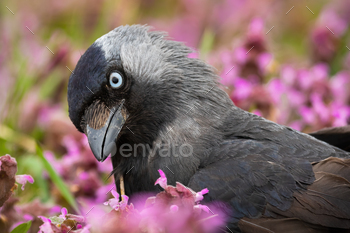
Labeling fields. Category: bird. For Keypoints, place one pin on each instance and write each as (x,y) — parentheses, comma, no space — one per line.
(142,100)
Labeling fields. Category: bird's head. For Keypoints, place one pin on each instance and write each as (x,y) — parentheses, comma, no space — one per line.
(136,84)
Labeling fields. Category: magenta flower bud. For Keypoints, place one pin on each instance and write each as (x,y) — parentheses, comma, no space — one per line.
(162,181)
(199,195)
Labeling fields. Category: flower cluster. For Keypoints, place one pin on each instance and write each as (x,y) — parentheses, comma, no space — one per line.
(64,223)
(307,99)
(176,209)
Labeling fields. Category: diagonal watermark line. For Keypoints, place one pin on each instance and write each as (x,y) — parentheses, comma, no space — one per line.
(129,129)
(169,170)
(230,70)
(211,88)
(206,111)
(69,70)
(169,130)
(249,50)
(347,48)
(190,109)
(330,30)
(290,10)
(30,30)
(214,214)
(94,94)
(269,30)
(310,10)
(129,170)
(106,106)
(75,225)
(89,210)
(10,10)
(71,229)
(49,49)
(210,210)
(229,229)
(110,190)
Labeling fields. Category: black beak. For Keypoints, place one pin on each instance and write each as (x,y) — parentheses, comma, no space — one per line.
(103,141)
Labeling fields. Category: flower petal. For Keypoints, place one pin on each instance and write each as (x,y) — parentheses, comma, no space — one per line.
(64,212)
(202,207)
(23,179)
(115,194)
(162,181)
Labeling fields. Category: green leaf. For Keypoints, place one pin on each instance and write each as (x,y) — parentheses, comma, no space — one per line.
(207,42)
(56,179)
(22,228)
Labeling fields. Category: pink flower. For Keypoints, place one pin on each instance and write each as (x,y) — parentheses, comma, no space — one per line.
(256,27)
(341,114)
(124,202)
(46,227)
(77,218)
(288,75)
(319,107)
(307,114)
(162,181)
(241,55)
(23,179)
(263,60)
(201,207)
(243,88)
(199,195)
(276,89)
(115,203)
(64,212)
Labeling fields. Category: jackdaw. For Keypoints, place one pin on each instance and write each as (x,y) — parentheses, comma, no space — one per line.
(139,98)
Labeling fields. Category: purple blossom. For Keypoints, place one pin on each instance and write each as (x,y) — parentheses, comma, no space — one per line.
(162,180)
(288,75)
(276,88)
(307,114)
(46,227)
(319,107)
(333,21)
(23,179)
(243,88)
(64,212)
(199,195)
(263,61)
(341,114)
(115,203)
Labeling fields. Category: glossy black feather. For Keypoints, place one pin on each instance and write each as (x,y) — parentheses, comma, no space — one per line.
(337,136)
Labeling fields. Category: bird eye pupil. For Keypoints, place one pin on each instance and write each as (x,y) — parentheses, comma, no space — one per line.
(115,80)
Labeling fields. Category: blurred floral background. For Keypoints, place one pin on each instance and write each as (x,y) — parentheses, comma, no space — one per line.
(288,61)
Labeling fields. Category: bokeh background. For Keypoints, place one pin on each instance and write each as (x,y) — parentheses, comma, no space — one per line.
(288,61)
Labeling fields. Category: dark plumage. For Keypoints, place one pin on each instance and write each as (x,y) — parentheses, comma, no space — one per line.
(268,175)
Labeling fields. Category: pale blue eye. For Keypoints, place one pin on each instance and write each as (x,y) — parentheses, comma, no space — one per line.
(116,80)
